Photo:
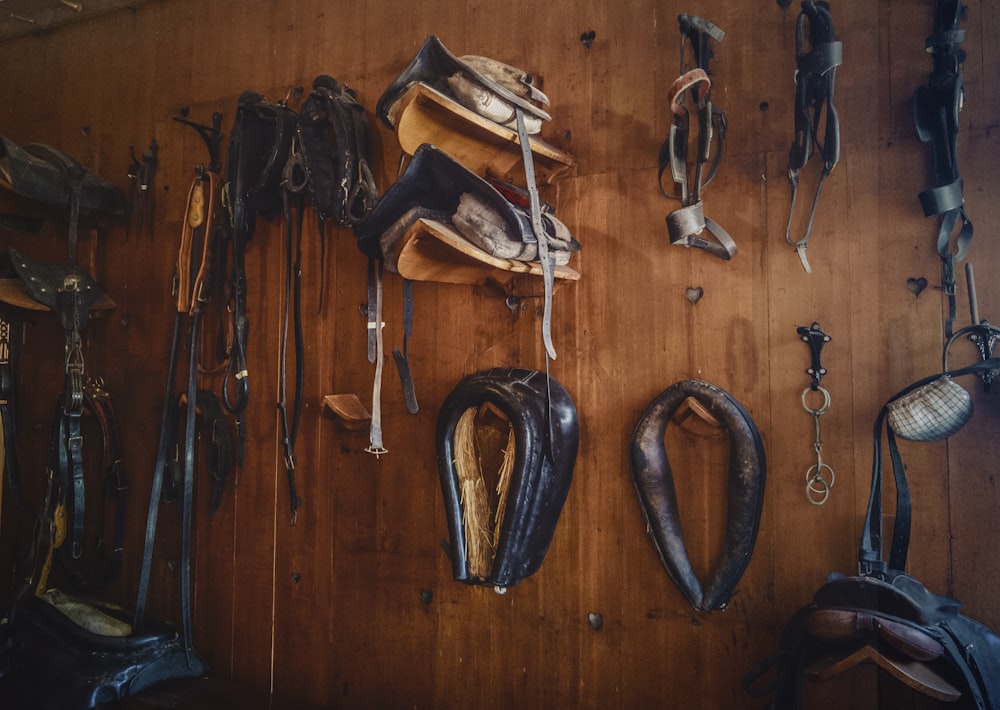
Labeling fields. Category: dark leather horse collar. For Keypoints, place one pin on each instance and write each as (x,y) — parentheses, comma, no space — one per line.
(547,434)
(687,224)
(654,485)
(815,72)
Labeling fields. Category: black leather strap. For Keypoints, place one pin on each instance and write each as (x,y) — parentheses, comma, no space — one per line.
(293,207)
(402,356)
(936,110)
(870,558)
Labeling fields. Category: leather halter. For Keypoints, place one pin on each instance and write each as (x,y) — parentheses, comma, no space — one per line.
(546,434)
(935,117)
(815,72)
(654,486)
(688,224)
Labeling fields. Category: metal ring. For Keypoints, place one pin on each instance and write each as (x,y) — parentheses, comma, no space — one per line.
(817,489)
(826,401)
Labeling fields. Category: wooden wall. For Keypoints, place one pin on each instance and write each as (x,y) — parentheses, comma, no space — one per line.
(355,605)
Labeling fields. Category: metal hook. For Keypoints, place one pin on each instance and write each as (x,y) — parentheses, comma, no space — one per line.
(815,338)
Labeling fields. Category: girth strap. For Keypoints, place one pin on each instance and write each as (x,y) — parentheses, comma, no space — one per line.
(814,88)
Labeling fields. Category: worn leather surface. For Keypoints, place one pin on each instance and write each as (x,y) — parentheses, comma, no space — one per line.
(56,664)
(654,486)
(547,435)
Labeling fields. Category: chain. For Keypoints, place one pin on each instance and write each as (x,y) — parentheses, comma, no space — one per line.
(817,485)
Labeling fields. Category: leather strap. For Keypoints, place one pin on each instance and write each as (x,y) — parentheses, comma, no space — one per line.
(402,356)
(936,109)
(544,258)
(292,197)
(375,445)
(814,92)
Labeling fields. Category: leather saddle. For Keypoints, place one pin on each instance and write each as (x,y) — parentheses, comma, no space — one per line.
(654,485)
(884,615)
(546,436)
(458,78)
(41,172)
(72,654)
(436,186)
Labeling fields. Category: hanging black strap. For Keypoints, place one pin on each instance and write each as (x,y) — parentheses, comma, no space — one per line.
(870,558)
(293,202)
(402,356)
(936,109)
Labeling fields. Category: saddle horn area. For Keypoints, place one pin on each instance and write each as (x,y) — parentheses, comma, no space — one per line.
(654,485)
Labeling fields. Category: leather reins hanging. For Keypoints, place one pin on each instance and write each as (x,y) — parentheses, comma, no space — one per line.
(816,66)
(191,289)
(688,224)
(935,118)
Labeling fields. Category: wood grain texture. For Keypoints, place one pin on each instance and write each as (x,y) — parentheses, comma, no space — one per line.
(354,606)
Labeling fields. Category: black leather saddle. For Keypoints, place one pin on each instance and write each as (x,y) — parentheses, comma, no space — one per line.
(70,654)
(66,289)
(436,186)
(546,436)
(259,144)
(41,172)
(654,485)
(433,65)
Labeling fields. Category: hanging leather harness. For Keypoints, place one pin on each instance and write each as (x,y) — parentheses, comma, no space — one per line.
(816,67)
(193,273)
(688,224)
(935,118)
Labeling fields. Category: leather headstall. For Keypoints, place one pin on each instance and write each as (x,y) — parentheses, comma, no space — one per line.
(546,436)
(688,224)
(654,485)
